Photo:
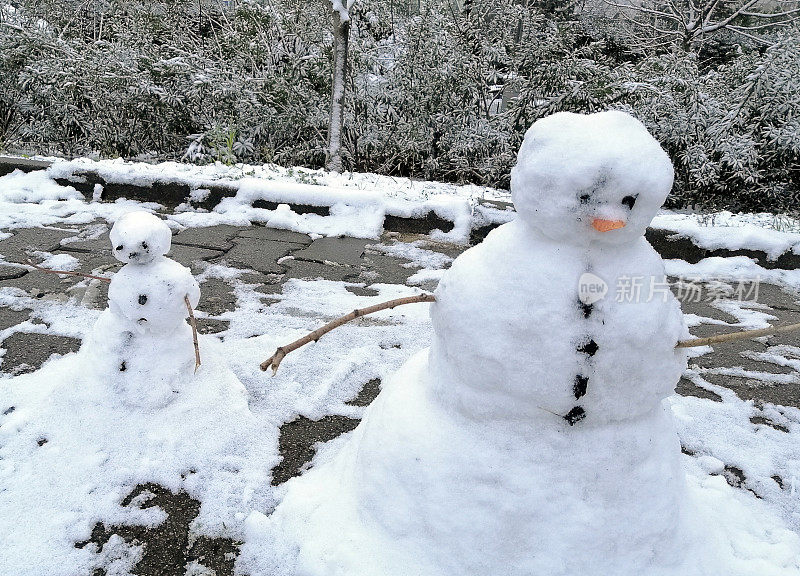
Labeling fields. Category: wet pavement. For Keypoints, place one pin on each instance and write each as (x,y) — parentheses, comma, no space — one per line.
(766,371)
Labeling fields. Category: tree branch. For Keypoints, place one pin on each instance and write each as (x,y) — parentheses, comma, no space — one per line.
(737,336)
(193,323)
(275,360)
(81,274)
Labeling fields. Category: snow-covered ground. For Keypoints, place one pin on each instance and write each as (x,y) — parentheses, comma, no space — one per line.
(70,452)
(359,202)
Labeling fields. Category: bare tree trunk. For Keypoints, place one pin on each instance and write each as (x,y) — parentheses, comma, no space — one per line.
(341,41)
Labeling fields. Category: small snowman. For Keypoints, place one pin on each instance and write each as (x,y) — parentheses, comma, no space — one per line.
(142,343)
(533,436)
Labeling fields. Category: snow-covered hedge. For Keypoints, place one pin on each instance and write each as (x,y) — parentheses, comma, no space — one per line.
(435,90)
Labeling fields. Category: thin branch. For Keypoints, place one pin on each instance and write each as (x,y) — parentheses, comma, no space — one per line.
(773,15)
(193,323)
(81,274)
(725,21)
(631,6)
(751,36)
(275,360)
(737,336)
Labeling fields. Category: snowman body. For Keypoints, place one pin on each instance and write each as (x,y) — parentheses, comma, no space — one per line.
(615,359)
(141,344)
(533,437)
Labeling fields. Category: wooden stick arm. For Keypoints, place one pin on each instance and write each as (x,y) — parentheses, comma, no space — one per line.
(65,272)
(743,335)
(275,360)
(193,324)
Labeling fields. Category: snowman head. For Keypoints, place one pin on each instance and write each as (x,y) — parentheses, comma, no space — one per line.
(590,179)
(139,238)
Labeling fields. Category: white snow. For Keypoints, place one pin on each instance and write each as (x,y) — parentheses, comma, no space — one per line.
(765,232)
(64,262)
(100,444)
(360,201)
(469,461)
(734,268)
(417,256)
(104,437)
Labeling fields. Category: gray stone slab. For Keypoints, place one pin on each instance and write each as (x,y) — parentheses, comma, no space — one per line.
(100,245)
(378,268)
(39,284)
(213,237)
(216,297)
(343,250)
(211,325)
(27,352)
(10,163)
(9,317)
(11,272)
(686,387)
(307,270)
(275,235)
(297,442)
(758,390)
(778,298)
(187,255)
(26,240)
(168,546)
(734,354)
(261,256)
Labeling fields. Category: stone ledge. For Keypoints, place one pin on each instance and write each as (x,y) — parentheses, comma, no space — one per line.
(173,193)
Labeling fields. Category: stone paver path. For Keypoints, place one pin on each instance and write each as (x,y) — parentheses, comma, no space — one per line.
(271,257)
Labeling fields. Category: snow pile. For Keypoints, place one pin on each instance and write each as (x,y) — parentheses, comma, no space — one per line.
(34,187)
(360,214)
(734,231)
(533,437)
(358,202)
(121,171)
(35,199)
(216,439)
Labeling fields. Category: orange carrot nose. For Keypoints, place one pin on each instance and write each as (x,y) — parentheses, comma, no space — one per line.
(602,225)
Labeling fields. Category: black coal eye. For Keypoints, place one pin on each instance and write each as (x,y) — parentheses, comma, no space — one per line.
(119,247)
(629,201)
(144,245)
(584,198)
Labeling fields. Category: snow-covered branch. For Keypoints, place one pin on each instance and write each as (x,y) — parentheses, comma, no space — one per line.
(695,22)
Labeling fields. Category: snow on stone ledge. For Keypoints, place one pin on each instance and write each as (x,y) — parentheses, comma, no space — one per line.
(770,233)
(357,204)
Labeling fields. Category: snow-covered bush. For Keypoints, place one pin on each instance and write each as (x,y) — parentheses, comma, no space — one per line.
(733,132)
(448,94)
(167,78)
(436,89)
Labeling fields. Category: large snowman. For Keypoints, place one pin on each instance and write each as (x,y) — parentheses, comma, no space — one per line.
(141,344)
(532,438)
